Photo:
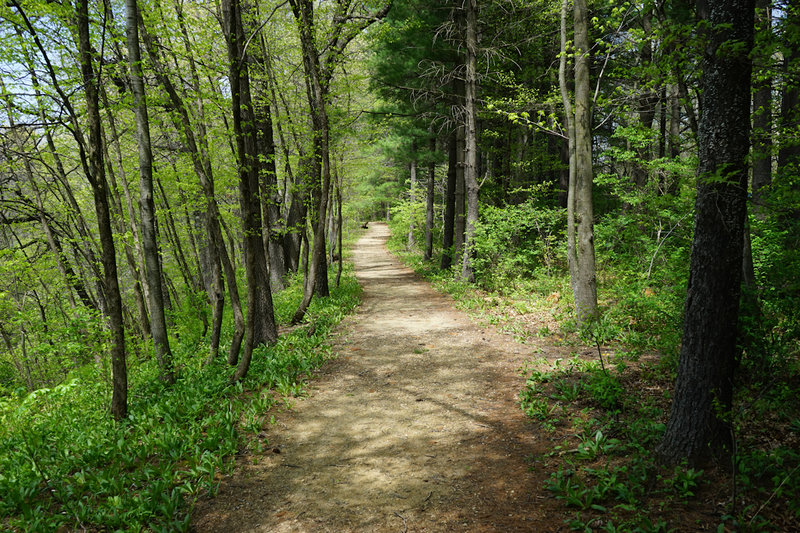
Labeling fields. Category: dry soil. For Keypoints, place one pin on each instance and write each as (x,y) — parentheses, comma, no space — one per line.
(414,426)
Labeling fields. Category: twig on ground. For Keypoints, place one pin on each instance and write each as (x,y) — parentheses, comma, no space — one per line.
(405,526)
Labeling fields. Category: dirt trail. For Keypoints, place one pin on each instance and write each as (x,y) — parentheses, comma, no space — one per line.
(414,427)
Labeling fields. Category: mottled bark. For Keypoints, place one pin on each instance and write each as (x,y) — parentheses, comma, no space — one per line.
(585,284)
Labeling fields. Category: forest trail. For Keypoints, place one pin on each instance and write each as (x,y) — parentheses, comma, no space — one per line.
(415,426)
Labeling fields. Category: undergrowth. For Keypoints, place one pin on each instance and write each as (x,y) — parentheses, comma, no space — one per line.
(605,404)
(65,464)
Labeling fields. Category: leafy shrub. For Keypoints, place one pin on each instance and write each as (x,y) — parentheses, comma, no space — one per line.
(64,463)
(515,241)
(403,214)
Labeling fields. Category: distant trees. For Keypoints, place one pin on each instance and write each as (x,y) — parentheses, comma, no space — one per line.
(320,65)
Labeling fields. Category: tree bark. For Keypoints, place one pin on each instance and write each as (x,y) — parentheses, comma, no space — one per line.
(762,115)
(585,284)
(429,203)
(569,122)
(789,151)
(412,194)
(699,422)
(448,235)
(260,324)
(271,200)
(155,297)
(459,227)
(470,139)
(95,172)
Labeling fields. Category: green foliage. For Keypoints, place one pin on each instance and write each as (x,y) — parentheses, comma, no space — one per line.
(65,463)
(403,215)
(515,242)
(605,390)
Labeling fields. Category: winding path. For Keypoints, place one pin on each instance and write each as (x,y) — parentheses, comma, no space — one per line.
(414,427)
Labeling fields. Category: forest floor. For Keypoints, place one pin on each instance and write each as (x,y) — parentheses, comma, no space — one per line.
(415,425)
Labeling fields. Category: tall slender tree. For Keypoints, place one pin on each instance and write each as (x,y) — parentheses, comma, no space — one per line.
(260,325)
(158,322)
(471,186)
(95,172)
(578,119)
(319,64)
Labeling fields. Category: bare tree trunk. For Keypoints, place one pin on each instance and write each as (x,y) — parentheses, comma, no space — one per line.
(271,202)
(699,424)
(789,151)
(95,171)
(448,234)
(569,119)
(158,323)
(412,194)
(460,220)
(260,325)
(585,286)
(429,205)
(762,117)
(470,140)
(338,181)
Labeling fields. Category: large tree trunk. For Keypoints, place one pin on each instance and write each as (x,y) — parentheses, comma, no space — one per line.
(448,235)
(699,422)
(569,122)
(584,285)
(95,172)
(762,113)
(470,140)
(271,200)
(155,297)
(260,324)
